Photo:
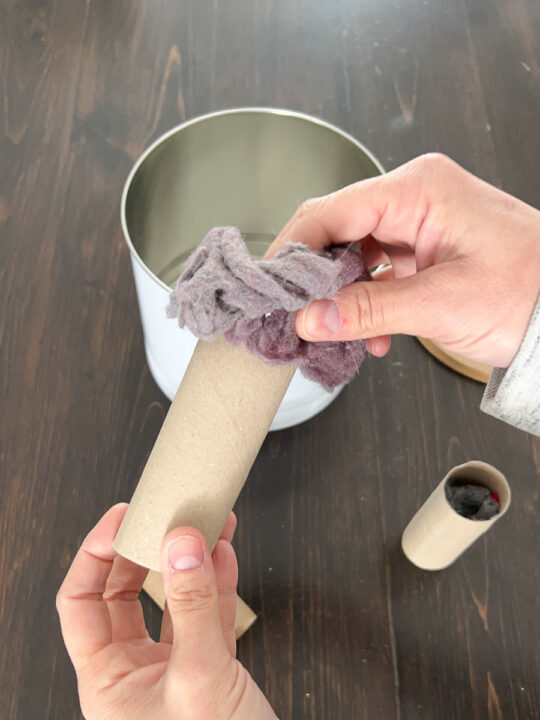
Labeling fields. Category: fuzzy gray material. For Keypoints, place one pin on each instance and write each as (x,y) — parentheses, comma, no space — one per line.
(474,502)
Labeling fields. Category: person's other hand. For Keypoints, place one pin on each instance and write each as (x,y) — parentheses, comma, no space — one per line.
(465,261)
(192,673)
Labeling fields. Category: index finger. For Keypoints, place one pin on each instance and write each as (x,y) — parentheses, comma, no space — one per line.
(333,218)
(84,615)
(391,208)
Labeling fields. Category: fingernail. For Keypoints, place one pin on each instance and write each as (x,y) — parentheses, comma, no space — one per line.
(321,319)
(185,553)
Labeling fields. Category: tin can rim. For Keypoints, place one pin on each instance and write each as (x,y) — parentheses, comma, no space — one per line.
(208,116)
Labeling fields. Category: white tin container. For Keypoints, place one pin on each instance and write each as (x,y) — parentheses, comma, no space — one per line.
(247,167)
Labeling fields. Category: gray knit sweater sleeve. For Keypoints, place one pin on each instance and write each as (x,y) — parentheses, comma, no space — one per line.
(513,394)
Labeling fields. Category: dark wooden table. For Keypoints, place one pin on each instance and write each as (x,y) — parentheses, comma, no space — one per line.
(347,627)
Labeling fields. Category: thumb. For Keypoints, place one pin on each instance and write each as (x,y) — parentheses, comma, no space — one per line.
(370,309)
(192,599)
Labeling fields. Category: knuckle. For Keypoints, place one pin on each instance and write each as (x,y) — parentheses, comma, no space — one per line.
(435,163)
(368,312)
(227,592)
(59,601)
(308,207)
(191,597)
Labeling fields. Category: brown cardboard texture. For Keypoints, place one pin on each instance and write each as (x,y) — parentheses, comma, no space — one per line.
(205,449)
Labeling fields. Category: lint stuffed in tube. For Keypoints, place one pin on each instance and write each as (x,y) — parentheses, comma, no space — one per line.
(465,505)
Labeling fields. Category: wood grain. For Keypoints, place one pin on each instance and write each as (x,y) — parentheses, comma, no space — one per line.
(347,627)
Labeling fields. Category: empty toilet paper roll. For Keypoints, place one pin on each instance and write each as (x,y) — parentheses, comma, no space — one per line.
(245,617)
(205,449)
(437,534)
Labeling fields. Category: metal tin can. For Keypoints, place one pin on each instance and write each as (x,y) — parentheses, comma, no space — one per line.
(247,167)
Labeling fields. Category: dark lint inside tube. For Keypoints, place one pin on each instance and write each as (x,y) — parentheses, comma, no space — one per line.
(471,500)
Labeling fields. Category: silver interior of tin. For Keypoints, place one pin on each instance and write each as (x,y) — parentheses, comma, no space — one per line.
(250,168)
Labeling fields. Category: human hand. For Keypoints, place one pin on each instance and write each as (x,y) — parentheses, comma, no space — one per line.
(465,261)
(192,672)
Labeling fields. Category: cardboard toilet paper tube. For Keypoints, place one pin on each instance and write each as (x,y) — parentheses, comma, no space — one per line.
(205,449)
(437,534)
(245,617)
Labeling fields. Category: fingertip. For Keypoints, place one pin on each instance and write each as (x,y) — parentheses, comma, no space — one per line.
(224,547)
(117,510)
(184,548)
(226,567)
(185,552)
(120,509)
(232,521)
(105,530)
(229,528)
(379,346)
(114,516)
(321,320)
(111,521)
